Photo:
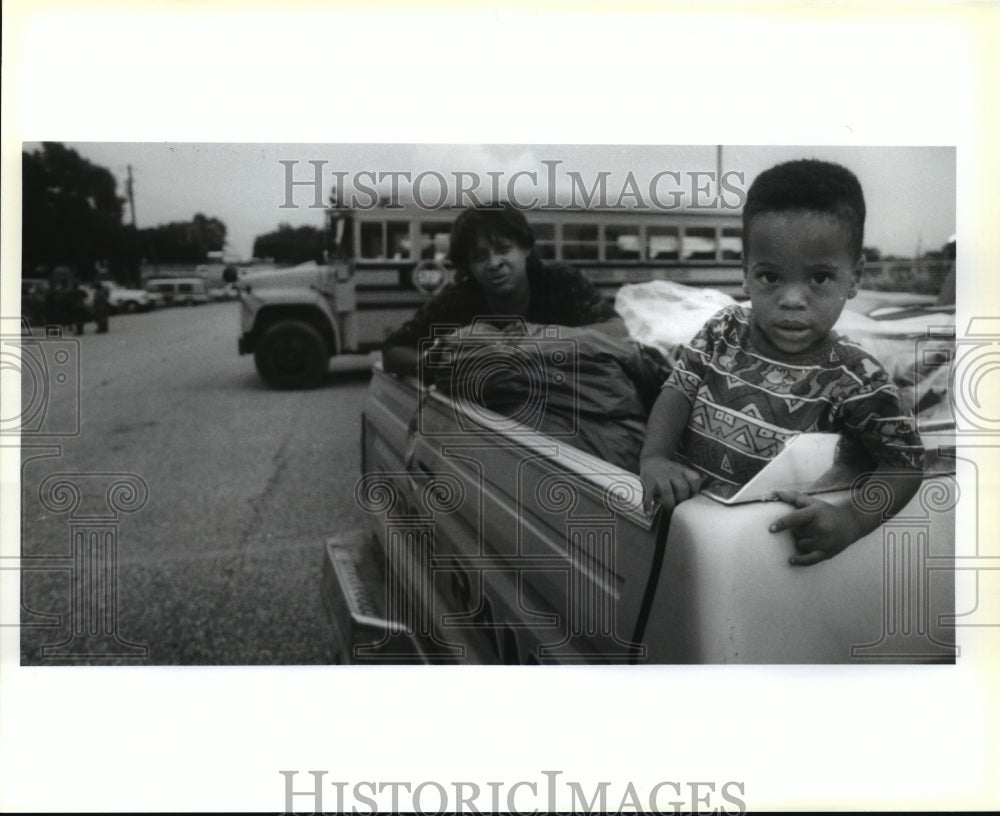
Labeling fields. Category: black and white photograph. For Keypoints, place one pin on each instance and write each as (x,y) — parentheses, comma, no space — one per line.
(316,449)
(440,371)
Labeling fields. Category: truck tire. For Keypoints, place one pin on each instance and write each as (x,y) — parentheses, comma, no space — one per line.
(291,355)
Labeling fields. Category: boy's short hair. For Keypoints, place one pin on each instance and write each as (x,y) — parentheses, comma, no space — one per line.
(808,184)
(493,222)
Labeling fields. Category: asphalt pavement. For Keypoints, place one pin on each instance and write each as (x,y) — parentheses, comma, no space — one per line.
(198,498)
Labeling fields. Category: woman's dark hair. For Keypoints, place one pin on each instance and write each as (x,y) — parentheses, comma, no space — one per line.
(808,184)
(494,222)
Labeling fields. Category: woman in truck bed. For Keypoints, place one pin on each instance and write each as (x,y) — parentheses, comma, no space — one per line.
(498,274)
(531,341)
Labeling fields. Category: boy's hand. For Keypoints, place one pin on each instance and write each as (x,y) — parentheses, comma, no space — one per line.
(666,482)
(821,530)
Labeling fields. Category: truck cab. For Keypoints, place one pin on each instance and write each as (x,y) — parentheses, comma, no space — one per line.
(294,319)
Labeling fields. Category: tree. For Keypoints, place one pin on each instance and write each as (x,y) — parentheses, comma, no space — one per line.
(71,212)
(872,253)
(183,241)
(290,245)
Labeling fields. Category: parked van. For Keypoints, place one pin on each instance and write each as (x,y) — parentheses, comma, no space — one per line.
(179,291)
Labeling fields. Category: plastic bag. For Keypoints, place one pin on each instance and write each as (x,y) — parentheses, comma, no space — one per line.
(666,315)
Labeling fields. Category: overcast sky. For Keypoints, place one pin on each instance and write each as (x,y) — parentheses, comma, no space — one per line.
(910,191)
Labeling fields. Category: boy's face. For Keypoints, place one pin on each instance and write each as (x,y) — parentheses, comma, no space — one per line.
(499,265)
(799,274)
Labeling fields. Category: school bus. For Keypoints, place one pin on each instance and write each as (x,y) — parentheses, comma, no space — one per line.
(382,263)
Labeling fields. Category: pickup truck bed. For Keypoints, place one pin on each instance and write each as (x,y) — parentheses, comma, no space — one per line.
(488,542)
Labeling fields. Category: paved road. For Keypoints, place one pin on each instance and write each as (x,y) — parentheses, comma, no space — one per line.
(221,564)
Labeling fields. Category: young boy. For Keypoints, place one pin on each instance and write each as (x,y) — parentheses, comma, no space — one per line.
(753,377)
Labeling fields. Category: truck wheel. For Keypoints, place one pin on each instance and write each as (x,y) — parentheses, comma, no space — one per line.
(131,306)
(291,355)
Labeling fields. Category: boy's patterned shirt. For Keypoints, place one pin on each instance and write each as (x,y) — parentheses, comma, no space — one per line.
(745,404)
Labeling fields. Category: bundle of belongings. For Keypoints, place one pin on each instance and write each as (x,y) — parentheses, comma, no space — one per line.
(577,385)
(595,391)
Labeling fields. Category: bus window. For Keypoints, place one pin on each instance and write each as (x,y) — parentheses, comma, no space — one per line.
(545,240)
(621,243)
(372,241)
(385,240)
(731,244)
(662,244)
(434,237)
(580,242)
(699,244)
(398,240)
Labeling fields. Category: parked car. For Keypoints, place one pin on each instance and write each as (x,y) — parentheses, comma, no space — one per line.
(42,304)
(124,299)
(225,292)
(179,291)
(34,297)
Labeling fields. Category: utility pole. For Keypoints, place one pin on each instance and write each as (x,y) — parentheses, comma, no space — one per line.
(135,268)
(131,196)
